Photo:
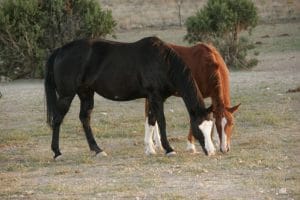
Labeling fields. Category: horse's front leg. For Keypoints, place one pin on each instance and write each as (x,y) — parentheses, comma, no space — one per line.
(191,142)
(86,107)
(156,113)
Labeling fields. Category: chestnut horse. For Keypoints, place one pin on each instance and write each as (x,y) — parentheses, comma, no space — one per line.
(212,77)
(121,72)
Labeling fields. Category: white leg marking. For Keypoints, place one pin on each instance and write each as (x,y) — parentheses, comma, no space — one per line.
(224,146)
(206,127)
(149,146)
(157,141)
(190,147)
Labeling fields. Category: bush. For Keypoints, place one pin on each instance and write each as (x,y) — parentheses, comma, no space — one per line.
(71,19)
(31,29)
(220,22)
(19,37)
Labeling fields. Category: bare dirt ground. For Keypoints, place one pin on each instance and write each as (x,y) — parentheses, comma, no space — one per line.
(263,163)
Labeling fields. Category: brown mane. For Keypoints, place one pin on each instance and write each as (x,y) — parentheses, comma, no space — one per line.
(209,71)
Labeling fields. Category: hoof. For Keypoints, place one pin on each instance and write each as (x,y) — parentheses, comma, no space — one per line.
(101,154)
(193,151)
(171,154)
(150,152)
(191,147)
(158,147)
(212,153)
(58,157)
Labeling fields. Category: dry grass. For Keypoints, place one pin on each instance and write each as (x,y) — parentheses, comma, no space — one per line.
(263,162)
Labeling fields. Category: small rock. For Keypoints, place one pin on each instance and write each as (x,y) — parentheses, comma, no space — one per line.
(205,170)
(261,191)
(282,191)
(284,35)
(265,36)
(29,192)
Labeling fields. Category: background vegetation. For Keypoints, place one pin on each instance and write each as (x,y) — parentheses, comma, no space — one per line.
(221,22)
(262,164)
(30,30)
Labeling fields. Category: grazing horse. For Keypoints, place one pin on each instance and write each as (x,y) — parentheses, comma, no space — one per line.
(120,72)
(212,78)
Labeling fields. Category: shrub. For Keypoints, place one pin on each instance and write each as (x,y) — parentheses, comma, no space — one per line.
(31,29)
(70,19)
(220,22)
(19,37)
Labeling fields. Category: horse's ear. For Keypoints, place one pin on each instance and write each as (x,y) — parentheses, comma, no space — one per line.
(233,109)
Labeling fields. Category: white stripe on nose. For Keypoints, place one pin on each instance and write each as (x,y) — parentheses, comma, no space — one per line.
(224,146)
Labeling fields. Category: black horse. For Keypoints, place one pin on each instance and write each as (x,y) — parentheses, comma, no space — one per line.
(119,72)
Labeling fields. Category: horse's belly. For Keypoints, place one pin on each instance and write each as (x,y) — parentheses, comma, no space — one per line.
(119,90)
(119,96)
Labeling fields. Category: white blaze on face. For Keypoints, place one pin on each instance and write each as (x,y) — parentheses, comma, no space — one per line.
(216,137)
(149,146)
(224,146)
(206,127)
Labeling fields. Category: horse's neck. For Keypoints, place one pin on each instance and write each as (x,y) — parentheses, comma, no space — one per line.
(183,81)
(221,98)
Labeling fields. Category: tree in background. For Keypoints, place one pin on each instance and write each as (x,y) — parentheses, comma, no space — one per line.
(70,19)
(221,22)
(20,34)
(31,29)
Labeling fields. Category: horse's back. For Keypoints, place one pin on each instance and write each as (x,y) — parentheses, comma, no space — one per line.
(115,70)
(128,70)
(205,63)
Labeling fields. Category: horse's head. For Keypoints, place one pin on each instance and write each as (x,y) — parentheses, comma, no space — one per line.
(224,122)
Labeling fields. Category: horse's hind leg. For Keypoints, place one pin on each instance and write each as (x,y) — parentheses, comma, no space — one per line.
(62,107)
(86,107)
(156,112)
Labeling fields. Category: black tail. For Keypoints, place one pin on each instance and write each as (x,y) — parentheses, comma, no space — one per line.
(50,89)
